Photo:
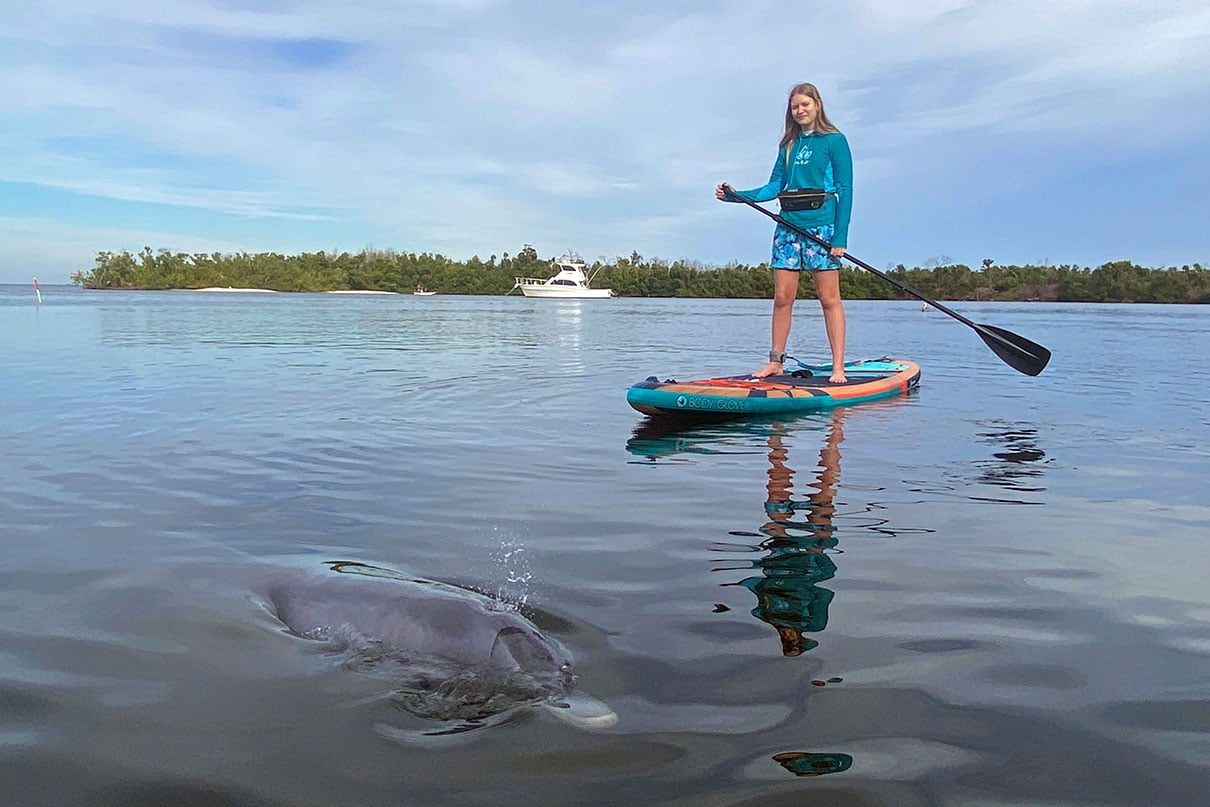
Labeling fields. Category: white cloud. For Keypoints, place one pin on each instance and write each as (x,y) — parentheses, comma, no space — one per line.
(481,125)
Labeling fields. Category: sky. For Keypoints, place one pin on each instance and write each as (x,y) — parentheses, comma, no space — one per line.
(1032,131)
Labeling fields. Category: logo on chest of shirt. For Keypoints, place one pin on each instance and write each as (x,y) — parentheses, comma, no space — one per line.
(804,155)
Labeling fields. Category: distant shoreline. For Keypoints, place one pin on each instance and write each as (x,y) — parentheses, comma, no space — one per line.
(373,271)
(211,289)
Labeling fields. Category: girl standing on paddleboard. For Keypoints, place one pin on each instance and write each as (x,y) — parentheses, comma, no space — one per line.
(813,180)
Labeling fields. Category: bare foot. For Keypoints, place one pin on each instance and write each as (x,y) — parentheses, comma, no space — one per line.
(772,368)
(838,377)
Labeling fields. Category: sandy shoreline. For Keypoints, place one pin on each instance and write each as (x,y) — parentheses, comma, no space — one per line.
(274,291)
(359,291)
(229,288)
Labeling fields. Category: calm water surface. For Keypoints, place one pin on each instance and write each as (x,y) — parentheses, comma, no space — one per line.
(993,592)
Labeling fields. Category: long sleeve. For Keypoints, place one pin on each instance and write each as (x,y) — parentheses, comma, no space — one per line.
(813,161)
(775,185)
(842,176)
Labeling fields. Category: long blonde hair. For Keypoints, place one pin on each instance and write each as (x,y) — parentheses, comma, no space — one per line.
(822,124)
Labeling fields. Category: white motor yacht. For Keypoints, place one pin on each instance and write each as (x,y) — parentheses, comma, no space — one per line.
(570,282)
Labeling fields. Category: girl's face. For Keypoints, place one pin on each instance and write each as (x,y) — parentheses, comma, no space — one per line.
(803,109)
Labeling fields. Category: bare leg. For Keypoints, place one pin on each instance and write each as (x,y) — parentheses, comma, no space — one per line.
(827,288)
(785,290)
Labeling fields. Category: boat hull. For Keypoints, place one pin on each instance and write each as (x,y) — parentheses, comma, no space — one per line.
(804,390)
(564,292)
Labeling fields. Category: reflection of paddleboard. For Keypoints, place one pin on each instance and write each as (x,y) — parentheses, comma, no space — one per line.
(804,389)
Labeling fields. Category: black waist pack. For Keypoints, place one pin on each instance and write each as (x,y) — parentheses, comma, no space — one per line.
(802,199)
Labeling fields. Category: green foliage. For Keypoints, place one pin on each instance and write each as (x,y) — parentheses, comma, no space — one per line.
(632,276)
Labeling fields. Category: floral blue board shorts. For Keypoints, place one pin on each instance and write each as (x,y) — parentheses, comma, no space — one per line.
(792,251)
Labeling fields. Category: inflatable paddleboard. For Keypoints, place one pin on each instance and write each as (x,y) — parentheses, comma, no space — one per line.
(806,388)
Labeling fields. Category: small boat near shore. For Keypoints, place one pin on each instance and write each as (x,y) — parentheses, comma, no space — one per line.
(421,291)
(570,282)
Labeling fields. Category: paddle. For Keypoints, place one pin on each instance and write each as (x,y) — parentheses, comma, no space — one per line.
(1016,351)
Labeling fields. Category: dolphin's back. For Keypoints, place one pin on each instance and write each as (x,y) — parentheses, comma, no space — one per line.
(415,618)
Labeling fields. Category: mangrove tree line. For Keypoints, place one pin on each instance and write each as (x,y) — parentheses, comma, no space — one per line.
(631,276)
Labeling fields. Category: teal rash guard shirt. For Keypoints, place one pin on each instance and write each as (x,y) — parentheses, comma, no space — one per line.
(813,161)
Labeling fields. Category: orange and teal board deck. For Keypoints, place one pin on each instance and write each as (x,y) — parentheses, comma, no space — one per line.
(804,389)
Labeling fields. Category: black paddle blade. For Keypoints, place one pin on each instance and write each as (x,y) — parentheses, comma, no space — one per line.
(1016,351)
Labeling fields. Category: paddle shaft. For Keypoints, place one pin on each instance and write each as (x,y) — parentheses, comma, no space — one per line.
(901,286)
(1016,351)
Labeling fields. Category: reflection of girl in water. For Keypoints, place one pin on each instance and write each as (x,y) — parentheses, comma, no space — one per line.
(789,599)
(788,595)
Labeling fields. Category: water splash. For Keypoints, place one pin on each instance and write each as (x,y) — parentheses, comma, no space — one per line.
(512,563)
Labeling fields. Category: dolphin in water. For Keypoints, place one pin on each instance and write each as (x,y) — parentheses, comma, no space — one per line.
(452,654)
